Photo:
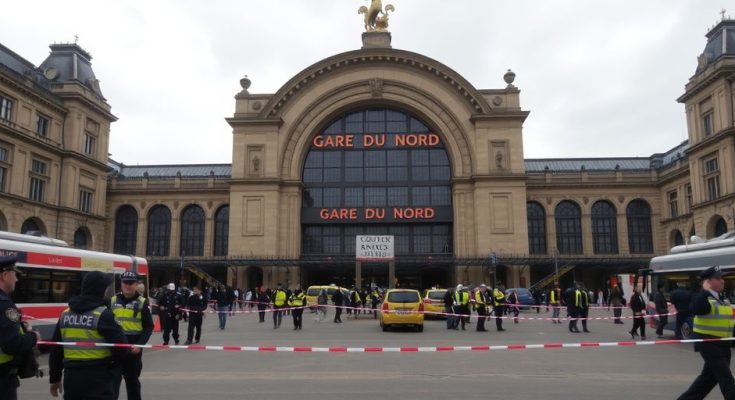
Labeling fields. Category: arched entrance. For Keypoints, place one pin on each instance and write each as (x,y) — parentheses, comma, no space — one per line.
(377,171)
(254,278)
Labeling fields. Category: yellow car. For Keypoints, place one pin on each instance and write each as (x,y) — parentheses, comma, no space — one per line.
(434,302)
(313,292)
(402,307)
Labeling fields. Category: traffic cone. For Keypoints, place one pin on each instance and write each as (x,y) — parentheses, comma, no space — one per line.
(157,323)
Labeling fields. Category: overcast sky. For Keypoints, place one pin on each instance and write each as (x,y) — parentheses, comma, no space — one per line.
(600,78)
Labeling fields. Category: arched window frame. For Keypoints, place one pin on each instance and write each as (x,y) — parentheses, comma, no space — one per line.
(536,215)
(221,230)
(193,219)
(640,233)
(568,218)
(159,231)
(604,218)
(126,230)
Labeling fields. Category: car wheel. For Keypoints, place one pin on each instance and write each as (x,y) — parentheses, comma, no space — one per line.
(385,328)
(420,328)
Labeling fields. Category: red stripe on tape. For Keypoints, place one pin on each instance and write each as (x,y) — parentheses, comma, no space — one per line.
(338,349)
(553,345)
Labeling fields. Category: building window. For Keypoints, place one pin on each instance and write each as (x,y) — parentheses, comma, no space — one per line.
(673,203)
(604,228)
(678,238)
(712,178)
(159,231)
(6,107)
(409,240)
(42,124)
(568,228)
(720,227)
(536,228)
(688,190)
(81,238)
(192,231)
(85,200)
(32,226)
(708,124)
(4,167)
(89,144)
(39,171)
(639,227)
(221,230)
(126,230)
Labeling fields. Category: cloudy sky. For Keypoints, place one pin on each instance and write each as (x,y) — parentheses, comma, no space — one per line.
(600,77)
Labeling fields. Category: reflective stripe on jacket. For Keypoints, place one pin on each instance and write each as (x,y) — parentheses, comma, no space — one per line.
(82,327)
(718,322)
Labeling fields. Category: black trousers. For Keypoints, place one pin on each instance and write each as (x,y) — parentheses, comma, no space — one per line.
(584,313)
(681,318)
(261,313)
(481,313)
(662,321)
(277,316)
(573,315)
(130,369)
(298,318)
(499,313)
(617,312)
(338,314)
(171,326)
(195,325)
(716,371)
(640,322)
(9,387)
(89,383)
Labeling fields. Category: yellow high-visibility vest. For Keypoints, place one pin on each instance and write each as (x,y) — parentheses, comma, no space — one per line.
(479,298)
(130,319)
(461,298)
(82,327)
(498,296)
(719,321)
(280,298)
(298,300)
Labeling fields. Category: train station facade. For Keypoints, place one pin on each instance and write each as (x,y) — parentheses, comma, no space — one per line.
(375,141)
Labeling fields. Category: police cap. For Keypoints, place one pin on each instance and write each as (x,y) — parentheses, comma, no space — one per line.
(711,272)
(129,276)
(7,263)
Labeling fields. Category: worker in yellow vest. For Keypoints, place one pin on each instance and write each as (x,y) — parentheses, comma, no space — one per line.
(481,306)
(713,319)
(499,305)
(461,306)
(88,372)
(16,336)
(279,302)
(133,314)
(298,302)
(554,302)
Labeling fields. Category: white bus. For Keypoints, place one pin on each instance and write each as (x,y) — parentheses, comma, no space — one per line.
(684,264)
(53,274)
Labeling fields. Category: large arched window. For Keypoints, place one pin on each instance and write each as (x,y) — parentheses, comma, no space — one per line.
(33,225)
(82,238)
(568,228)
(604,228)
(221,230)
(536,228)
(639,227)
(159,231)
(192,231)
(720,227)
(678,238)
(3,222)
(126,230)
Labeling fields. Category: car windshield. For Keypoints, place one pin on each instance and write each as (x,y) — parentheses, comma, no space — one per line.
(437,295)
(403,297)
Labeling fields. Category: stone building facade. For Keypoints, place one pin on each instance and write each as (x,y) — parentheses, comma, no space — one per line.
(370,141)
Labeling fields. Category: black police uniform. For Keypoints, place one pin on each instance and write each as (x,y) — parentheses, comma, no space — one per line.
(716,354)
(170,315)
(132,365)
(88,378)
(13,340)
(197,305)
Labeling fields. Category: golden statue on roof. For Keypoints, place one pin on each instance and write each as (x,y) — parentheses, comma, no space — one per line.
(376,18)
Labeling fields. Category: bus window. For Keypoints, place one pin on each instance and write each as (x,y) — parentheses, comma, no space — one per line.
(46,286)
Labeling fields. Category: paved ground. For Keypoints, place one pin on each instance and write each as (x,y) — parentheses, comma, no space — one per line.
(650,372)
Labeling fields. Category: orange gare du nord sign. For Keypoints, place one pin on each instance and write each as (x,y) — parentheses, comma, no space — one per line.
(399,140)
(377,214)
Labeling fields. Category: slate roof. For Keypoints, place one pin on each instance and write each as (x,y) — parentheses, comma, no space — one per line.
(122,171)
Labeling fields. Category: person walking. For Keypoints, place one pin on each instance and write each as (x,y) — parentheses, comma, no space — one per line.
(17,338)
(338,299)
(279,299)
(499,306)
(375,299)
(514,305)
(322,301)
(87,372)
(449,308)
(221,298)
(617,302)
(481,305)
(572,295)
(169,304)
(681,297)
(461,306)
(583,306)
(638,305)
(133,314)
(197,306)
(298,302)
(713,319)
(661,308)
(555,302)
(263,301)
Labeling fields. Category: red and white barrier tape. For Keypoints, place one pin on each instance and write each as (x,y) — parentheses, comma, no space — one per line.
(404,349)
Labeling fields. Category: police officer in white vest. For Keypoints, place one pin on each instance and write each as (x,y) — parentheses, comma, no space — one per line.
(133,314)
(16,336)
(88,372)
(713,319)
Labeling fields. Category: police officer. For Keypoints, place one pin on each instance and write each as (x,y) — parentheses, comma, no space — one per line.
(713,319)
(197,305)
(88,372)
(297,300)
(279,301)
(461,306)
(554,302)
(16,336)
(498,306)
(481,305)
(169,304)
(582,304)
(133,314)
